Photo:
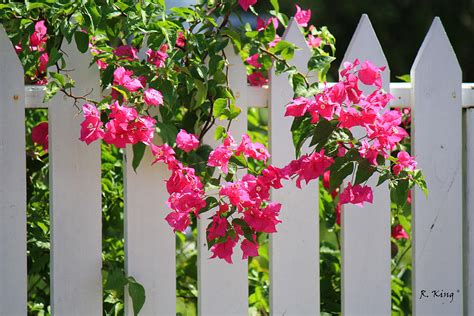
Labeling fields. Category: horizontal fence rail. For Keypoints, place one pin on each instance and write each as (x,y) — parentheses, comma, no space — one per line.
(259,97)
(442,133)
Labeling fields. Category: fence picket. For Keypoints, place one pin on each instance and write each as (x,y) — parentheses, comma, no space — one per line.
(469,215)
(437,220)
(223,286)
(366,231)
(294,281)
(149,241)
(75,198)
(12,185)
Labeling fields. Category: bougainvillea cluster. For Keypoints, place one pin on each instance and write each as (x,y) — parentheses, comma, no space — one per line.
(178,90)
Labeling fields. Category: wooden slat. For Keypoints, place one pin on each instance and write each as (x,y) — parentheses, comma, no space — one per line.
(258,96)
(366,231)
(149,240)
(76,286)
(223,287)
(437,221)
(12,185)
(294,264)
(469,210)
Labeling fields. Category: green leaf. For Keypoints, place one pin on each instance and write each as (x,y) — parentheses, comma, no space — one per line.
(383,177)
(399,191)
(285,49)
(321,64)
(321,133)
(137,294)
(420,181)
(234,111)
(54,56)
(220,105)
(82,41)
(220,132)
(245,228)
(51,89)
(301,130)
(364,171)
(138,152)
(404,78)
(167,132)
(201,92)
(275,5)
(116,280)
(340,169)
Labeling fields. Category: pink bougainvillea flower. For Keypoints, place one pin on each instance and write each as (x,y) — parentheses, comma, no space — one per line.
(322,107)
(219,157)
(180,40)
(356,195)
(249,249)
(38,38)
(116,133)
(152,97)
(123,78)
(18,48)
(224,250)
(297,107)
(253,150)
(302,17)
(351,86)
(256,79)
(142,130)
(253,61)
(183,179)
(101,64)
(43,62)
(257,187)
(312,166)
(39,135)
(272,176)
(369,74)
(157,58)
(275,41)
(399,233)
(376,101)
(217,228)
(179,221)
(263,220)
(313,42)
(245,4)
(91,127)
(236,192)
(370,151)
(186,141)
(348,66)
(404,160)
(126,52)
(187,201)
(338,213)
(262,24)
(163,153)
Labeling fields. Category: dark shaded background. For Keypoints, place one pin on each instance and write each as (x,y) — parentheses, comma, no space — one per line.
(400,26)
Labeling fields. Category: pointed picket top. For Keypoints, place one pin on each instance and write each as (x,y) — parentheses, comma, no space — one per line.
(13,271)
(437,145)
(8,55)
(294,35)
(375,297)
(365,45)
(436,50)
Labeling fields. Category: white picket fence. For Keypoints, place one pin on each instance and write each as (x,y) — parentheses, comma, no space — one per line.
(443,243)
